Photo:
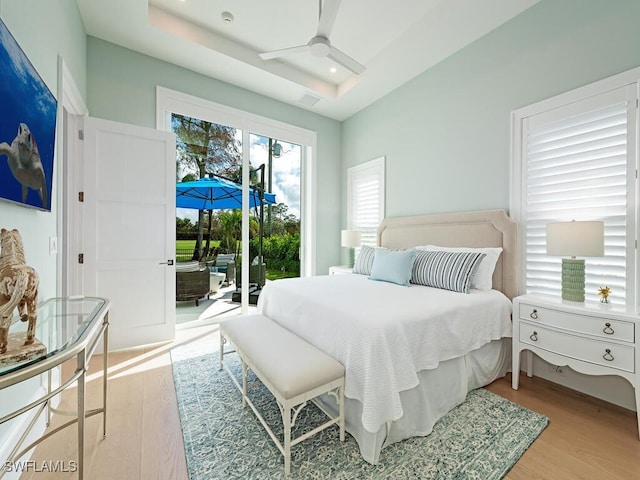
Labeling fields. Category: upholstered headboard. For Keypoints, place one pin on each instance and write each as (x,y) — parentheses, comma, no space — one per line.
(486,228)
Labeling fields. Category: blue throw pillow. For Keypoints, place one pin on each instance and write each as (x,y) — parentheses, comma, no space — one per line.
(393,266)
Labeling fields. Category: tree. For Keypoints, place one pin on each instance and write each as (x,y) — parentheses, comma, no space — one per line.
(281,221)
(204,148)
(230,222)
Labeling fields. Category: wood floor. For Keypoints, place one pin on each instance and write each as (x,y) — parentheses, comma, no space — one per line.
(586,438)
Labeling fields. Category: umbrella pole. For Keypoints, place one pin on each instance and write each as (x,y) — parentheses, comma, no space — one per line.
(261,226)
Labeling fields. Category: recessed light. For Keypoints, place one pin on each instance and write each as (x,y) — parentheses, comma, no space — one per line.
(227,17)
(333,69)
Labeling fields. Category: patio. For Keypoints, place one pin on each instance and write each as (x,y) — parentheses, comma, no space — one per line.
(212,310)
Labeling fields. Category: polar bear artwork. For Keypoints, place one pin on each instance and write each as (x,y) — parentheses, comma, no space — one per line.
(18,287)
(25,164)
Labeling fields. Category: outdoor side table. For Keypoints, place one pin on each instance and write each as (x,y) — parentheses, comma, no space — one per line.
(68,327)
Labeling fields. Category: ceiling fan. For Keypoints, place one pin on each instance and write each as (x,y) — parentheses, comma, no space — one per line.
(320,46)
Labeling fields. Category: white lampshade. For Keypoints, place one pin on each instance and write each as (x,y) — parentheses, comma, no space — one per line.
(575,239)
(350,238)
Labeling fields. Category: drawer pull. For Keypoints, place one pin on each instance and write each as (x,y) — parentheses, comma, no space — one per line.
(607,355)
(534,337)
(607,329)
(534,314)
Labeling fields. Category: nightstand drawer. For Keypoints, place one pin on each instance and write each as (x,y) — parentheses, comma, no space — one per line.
(590,325)
(603,353)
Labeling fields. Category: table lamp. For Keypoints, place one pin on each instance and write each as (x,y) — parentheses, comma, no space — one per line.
(575,239)
(351,239)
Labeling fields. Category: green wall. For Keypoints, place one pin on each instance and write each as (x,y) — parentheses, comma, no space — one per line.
(122,87)
(446,133)
(44,30)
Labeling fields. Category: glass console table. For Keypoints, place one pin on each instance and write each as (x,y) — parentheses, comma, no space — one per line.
(68,327)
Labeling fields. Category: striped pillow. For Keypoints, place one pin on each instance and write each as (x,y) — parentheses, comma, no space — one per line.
(364,262)
(446,270)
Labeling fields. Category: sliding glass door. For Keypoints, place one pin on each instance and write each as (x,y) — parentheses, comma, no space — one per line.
(269,238)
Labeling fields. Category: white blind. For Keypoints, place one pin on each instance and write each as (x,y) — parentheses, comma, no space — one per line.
(366,199)
(576,168)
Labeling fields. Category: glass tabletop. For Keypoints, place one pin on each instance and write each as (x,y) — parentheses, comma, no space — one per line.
(61,323)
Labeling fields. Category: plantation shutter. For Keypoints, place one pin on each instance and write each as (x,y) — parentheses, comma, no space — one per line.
(366,199)
(577,167)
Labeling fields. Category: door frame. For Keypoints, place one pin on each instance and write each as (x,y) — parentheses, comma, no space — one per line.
(170,101)
(71,107)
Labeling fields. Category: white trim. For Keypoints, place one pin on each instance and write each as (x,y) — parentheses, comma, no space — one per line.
(71,105)
(610,83)
(168,101)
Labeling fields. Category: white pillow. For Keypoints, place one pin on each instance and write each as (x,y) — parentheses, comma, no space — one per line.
(483,276)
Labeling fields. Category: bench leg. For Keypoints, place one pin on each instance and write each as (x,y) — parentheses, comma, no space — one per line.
(222,342)
(244,383)
(341,397)
(286,421)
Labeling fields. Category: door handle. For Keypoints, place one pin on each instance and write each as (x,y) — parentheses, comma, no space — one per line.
(168,262)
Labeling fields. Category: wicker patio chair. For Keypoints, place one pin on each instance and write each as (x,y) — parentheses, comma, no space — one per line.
(192,282)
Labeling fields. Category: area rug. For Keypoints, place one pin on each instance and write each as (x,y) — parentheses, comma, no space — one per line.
(480,439)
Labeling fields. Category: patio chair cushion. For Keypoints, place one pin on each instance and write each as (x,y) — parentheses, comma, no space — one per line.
(192,266)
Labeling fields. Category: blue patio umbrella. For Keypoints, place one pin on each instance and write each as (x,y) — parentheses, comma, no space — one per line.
(215,193)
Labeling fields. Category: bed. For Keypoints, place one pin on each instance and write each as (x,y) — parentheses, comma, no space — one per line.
(411,353)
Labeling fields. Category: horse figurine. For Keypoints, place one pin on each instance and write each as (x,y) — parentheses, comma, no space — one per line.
(18,287)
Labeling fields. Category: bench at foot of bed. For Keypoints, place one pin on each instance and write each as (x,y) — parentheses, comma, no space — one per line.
(293,370)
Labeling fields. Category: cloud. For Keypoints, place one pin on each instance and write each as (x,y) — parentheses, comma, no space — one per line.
(285,172)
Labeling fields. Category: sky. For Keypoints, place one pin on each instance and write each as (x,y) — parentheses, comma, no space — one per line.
(285,171)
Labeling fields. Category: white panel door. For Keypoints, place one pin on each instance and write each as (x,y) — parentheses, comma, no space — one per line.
(129,229)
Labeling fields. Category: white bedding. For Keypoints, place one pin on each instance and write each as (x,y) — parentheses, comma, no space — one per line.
(384,334)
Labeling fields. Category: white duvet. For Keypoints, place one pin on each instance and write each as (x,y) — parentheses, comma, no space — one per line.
(385,333)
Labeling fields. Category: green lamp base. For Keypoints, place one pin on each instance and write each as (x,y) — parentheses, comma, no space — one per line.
(573,279)
(352,256)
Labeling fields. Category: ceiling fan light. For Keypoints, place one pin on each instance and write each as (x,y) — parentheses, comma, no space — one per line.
(319,47)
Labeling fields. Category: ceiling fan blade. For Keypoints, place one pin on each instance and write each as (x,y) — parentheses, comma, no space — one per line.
(345,60)
(283,52)
(328,13)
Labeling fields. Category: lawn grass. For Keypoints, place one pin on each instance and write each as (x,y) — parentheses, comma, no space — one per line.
(276,274)
(187,245)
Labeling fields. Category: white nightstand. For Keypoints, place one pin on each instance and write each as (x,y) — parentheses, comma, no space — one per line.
(340,270)
(594,339)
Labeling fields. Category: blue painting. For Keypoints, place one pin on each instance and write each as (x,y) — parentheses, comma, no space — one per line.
(27,129)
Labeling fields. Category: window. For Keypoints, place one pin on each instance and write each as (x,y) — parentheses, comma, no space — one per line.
(365,208)
(575,159)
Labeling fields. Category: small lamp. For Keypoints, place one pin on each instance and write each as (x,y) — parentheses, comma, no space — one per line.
(351,239)
(575,239)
